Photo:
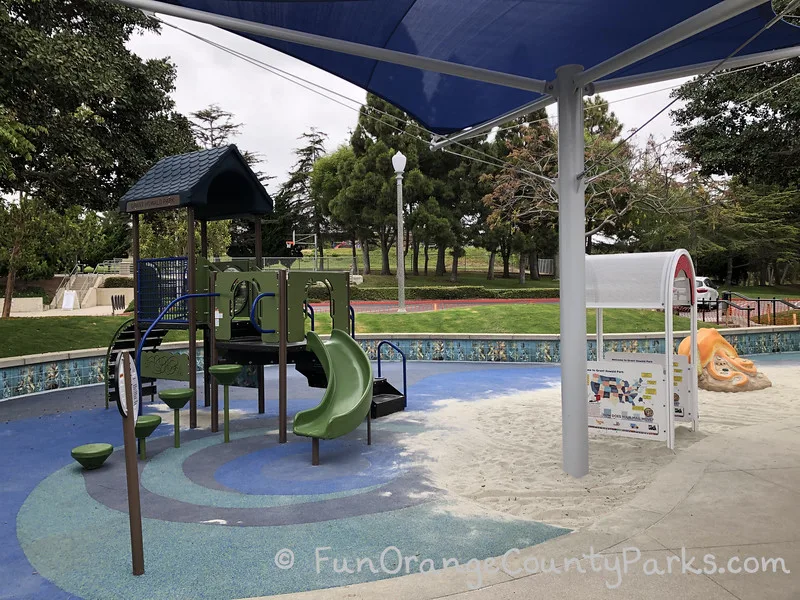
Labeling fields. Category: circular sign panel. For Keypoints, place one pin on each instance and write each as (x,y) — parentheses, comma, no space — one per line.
(122,403)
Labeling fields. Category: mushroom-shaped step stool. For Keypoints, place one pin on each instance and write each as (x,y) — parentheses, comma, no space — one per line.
(226,375)
(176,399)
(92,456)
(145,426)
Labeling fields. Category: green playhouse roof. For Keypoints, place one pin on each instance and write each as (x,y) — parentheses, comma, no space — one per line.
(218,183)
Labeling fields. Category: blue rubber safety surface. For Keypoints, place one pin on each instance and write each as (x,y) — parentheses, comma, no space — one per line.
(217,516)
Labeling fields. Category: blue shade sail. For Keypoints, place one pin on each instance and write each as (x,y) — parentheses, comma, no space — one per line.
(525,37)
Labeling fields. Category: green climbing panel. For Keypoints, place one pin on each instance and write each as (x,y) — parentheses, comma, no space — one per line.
(338,284)
(162,364)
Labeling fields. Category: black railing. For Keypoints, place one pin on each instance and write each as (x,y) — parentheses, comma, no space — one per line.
(402,355)
(308,310)
(771,303)
(706,306)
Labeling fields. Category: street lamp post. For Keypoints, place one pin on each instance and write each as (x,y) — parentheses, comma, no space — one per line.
(399,164)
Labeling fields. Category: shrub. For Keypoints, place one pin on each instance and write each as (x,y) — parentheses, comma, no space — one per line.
(88,269)
(118,282)
(29,292)
(463,292)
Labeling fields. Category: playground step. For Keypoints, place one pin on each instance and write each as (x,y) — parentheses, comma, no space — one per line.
(308,365)
(386,404)
(386,399)
(125,341)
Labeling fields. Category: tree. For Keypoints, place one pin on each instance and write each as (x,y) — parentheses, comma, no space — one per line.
(742,128)
(296,195)
(335,191)
(165,233)
(101,117)
(15,143)
(744,124)
(523,195)
(25,230)
(381,132)
(212,127)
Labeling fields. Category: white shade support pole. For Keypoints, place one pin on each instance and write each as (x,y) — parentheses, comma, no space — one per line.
(710,17)
(336,45)
(401,267)
(601,352)
(572,259)
(694,358)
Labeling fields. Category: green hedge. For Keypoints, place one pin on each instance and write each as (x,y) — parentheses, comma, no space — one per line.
(29,292)
(118,282)
(462,292)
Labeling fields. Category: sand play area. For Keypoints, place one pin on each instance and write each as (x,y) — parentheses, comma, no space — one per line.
(503,454)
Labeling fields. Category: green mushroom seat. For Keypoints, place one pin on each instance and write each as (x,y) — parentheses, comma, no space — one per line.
(92,456)
(225,374)
(145,426)
(176,398)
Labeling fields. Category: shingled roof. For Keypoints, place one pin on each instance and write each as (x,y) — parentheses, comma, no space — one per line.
(217,183)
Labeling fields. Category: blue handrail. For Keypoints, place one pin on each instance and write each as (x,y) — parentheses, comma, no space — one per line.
(253,312)
(352,312)
(387,342)
(150,330)
(309,310)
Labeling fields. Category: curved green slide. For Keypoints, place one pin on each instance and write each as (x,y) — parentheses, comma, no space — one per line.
(348,397)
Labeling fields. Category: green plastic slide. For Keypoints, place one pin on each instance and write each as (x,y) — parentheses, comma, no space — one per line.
(348,396)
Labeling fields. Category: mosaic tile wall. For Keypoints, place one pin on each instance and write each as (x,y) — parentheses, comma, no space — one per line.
(46,376)
(547,351)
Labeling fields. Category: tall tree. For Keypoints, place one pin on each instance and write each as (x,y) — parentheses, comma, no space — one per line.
(101,117)
(214,127)
(743,127)
(744,124)
(524,198)
(296,191)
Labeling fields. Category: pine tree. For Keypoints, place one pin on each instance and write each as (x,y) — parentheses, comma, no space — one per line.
(296,197)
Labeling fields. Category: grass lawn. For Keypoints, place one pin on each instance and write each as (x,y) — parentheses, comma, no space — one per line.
(23,336)
(54,334)
(768,291)
(508,318)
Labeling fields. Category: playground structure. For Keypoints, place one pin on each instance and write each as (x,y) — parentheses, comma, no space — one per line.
(634,393)
(249,315)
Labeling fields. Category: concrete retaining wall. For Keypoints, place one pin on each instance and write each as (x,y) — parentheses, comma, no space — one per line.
(24,304)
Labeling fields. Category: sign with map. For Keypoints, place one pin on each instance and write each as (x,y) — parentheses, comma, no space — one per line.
(682,399)
(627,399)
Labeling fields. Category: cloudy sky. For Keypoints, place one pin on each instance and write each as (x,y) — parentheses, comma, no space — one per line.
(275,112)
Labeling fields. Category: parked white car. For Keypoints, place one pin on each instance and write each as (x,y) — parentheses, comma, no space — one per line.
(706,291)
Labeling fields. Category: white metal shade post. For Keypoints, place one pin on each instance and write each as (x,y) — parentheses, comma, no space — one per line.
(571,251)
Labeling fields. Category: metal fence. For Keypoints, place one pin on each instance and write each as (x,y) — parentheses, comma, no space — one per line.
(304,263)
